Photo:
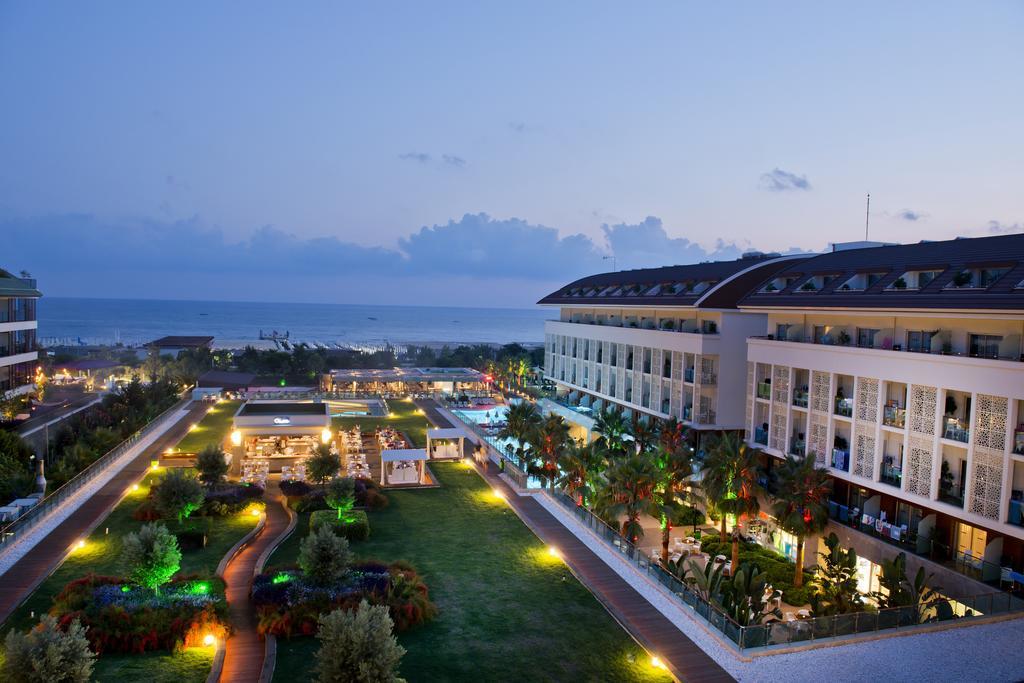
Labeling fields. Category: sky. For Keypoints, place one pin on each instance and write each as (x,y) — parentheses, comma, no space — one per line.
(473,154)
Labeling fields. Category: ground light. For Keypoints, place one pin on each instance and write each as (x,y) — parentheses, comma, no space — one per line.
(236,438)
(255,512)
(209,640)
(193,427)
(657,663)
(554,552)
(498,494)
(80,544)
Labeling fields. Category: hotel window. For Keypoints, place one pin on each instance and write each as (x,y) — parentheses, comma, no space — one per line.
(866,337)
(629,360)
(615,354)
(985,345)
(819,334)
(600,349)
(647,361)
(919,341)
(666,366)
(574,340)
(782,331)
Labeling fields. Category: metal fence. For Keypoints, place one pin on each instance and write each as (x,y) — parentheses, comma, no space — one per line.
(782,633)
(36,514)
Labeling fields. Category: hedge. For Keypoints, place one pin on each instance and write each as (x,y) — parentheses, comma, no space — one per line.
(355,527)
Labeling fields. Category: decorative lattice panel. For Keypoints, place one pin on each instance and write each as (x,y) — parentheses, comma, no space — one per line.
(606,378)
(991,414)
(986,482)
(705,410)
(921,408)
(867,399)
(777,433)
(750,400)
(821,392)
(675,399)
(864,452)
(677,365)
(620,382)
(817,438)
(919,467)
(656,394)
(780,384)
(638,380)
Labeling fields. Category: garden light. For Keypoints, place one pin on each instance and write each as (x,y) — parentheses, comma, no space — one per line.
(135,487)
(498,494)
(80,544)
(255,512)
(554,552)
(193,427)
(209,640)
(657,663)
(236,438)
(325,436)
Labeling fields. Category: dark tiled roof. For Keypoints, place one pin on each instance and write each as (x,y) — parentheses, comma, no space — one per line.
(225,379)
(949,258)
(283,408)
(676,285)
(181,342)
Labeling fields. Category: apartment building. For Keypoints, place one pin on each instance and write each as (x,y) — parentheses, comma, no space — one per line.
(18,324)
(901,369)
(659,342)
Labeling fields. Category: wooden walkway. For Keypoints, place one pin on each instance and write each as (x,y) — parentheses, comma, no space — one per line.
(27,573)
(659,636)
(243,656)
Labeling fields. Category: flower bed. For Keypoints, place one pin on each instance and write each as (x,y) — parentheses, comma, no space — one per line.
(352,525)
(119,617)
(289,605)
(303,497)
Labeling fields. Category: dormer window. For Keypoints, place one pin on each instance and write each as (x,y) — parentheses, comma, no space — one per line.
(700,287)
(653,291)
(673,289)
(816,283)
(861,281)
(778,284)
(914,279)
(978,278)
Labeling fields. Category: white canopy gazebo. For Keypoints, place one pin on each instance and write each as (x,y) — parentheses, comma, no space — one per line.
(453,446)
(402,466)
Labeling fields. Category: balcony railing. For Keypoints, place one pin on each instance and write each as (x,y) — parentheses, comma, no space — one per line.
(841,459)
(956,432)
(886,344)
(761,436)
(688,374)
(708,379)
(894,416)
(1016,512)
(687,412)
(800,398)
(892,475)
(844,407)
(798,448)
(764,390)
(953,496)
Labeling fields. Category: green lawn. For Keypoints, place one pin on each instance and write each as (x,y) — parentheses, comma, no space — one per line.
(188,666)
(508,609)
(213,428)
(404,416)
(101,553)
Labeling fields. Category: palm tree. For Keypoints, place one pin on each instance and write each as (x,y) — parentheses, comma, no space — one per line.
(629,485)
(579,465)
(675,468)
(645,433)
(672,434)
(547,442)
(801,504)
(731,481)
(611,429)
(520,421)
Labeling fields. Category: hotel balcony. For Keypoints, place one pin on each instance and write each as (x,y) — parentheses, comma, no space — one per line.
(894,416)
(685,341)
(956,430)
(967,374)
(708,379)
(891,474)
(764,390)
(841,459)
(800,398)
(761,436)
(688,375)
(798,448)
(844,407)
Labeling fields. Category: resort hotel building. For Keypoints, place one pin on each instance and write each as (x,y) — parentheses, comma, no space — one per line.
(899,368)
(18,325)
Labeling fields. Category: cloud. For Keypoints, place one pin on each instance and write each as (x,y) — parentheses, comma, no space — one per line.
(910,215)
(420,157)
(647,244)
(997,228)
(778,180)
(453,160)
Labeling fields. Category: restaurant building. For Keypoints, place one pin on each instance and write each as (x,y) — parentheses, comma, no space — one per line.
(278,433)
(404,381)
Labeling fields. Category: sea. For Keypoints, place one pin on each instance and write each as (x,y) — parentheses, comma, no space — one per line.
(133,322)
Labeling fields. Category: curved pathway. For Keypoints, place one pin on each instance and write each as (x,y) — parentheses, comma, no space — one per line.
(243,655)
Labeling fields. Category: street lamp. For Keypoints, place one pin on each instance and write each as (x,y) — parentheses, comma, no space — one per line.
(605,258)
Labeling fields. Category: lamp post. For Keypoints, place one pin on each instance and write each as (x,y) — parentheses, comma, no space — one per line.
(605,258)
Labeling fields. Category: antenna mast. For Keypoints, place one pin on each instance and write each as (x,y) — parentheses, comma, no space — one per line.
(867,218)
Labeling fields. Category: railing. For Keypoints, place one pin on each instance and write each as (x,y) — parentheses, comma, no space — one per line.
(800,398)
(841,459)
(797,448)
(894,416)
(688,375)
(26,522)
(844,407)
(708,379)
(954,496)
(764,390)
(761,436)
(957,433)
(888,345)
(891,475)
(781,633)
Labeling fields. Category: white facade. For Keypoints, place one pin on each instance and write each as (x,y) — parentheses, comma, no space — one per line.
(8,330)
(843,386)
(694,371)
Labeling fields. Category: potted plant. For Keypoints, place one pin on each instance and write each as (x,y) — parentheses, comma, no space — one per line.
(844,338)
(899,283)
(962,279)
(712,327)
(808,287)
(946,480)
(770,287)
(668,324)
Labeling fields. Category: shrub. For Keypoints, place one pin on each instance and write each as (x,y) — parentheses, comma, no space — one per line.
(294,489)
(179,494)
(355,527)
(323,464)
(314,500)
(151,556)
(340,495)
(324,556)
(358,646)
(375,500)
(229,499)
(46,654)
(211,465)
